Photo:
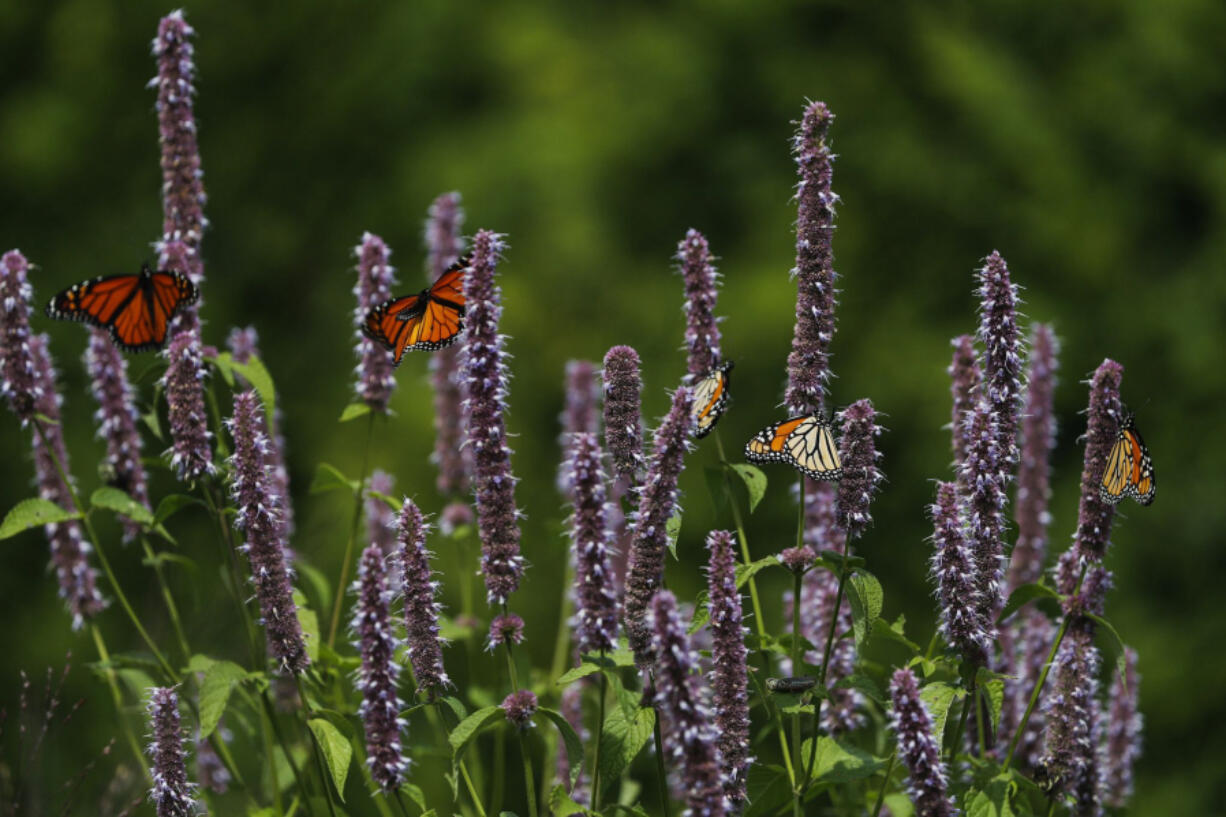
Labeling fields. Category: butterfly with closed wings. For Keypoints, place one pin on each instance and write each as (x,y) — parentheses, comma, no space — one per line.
(806,443)
(135,309)
(1129,471)
(711,399)
(430,320)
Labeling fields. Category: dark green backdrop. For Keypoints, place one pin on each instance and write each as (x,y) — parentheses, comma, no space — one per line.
(1086,141)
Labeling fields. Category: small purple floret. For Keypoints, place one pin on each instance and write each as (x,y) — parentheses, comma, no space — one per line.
(171,794)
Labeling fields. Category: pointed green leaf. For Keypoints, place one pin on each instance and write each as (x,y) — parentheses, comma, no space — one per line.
(622,739)
(574,746)
(335,748)
(863,684)
(415,794)
(561,805)
(839,762)
(575,673)
(893,632)
(755,483)
(993,799)
(33,513)
(171,505)
(672,529)
(993,686)
(354,411)
(938,697)
(224,363)
(308,620)
(219,680)
(866,598)
(116,500)
(468,729)
(1113,639)
(1024,594)
(768,789)
(329,478)
(253,372)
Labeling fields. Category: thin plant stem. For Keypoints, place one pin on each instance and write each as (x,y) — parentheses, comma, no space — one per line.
(966,710)
(230,557)
(529,783)
(359,493)
(660,772)
(171,609)
(889,769)
(604,691)
(979,713)
(796,582)
(400,802)
(1038,687)
(266,730)
(319,752)
(270,713)
(105,657)
(830,632)
(439,711)
(102,560)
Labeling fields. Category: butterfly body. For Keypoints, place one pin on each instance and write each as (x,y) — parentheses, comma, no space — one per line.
(1130,470)
(430,320)
(711,397)
(135,309)
(806,443)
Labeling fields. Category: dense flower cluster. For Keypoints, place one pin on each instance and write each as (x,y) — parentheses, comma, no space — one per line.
(377,676)
(519,708)
(1038,440)
(729,679)
(506,628)
(696,265)
(1002,352)
(623,422)
(919,750)
(376,276)
(191,453)
(1102,421)
(957,579)
(1122,727)
(595,599)
(116,417)
(454,460)
(983,475)
(861,476)
(965,376)
(421,610)
(580,413)
(171,795)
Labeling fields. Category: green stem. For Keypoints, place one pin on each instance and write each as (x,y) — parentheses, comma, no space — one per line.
(353,533)
(440,711)
(660,772)
(604,683)
(796,670)
(319,752)
(400,802)
(529,783)
(230,557)
(830,632)
(979,718)
(966,710)
(1038,687)
(105,658)
(171,609)
(885,783)
(271,715)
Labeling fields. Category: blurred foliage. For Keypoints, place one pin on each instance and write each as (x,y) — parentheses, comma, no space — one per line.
(1085,141)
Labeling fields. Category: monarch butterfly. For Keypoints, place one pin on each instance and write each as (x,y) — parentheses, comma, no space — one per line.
(806,443)
(711,399)
(429,320)
(1129,471)
(135,309)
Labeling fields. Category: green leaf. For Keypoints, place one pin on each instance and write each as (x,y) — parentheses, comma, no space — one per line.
(866,598)
(560,804)
(329,478)
(116,500)
(308,620)
(259,378)
(702,612)
(717,486)
(415,794)
(893,632)
(33,513)
(622,739)
(354,411)
(575,673)
(335,748)
(672,529)
(318,581)
(219,680)
(938,697)
(155,425)
(1024,594)
(468,729)
(1113,639)
(171,505)
(755,483)
(994,686)
(839,762)
(899,804)
(574,746)
(224,363)
(768,789)
(862,684)
(993,799)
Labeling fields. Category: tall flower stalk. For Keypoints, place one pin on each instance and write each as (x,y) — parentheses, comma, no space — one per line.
(171,795)
(927,781)
(376,277)
(421,609)
(1003,351)
(702,340)
(579,415)
(1122,732)
(1033,480)
(595,599)
(957,579)
(116,417)
(965,376)
(729,658)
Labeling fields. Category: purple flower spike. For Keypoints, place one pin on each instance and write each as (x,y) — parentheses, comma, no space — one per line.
(376,277)
(965,376)
(1102,421)
(16,365)
(690,734)
(171,794)
(1038,440)
(486,382)
(507,628)
(1123,733)
(191,455)
(957,576)
(809,362)
(519,707)
(420,606)
(377,676)
(579,415)
(1030,635)
(696,265)
(797,560)
(919,750)
(1003,350)
(259,516)
(623,421)
(1070,712)
(69,550)
(595,600)
(454,460)
(859,455)
(983,476)
(729,658)
(183,195)
(657,504)
(116,418)
(381,525)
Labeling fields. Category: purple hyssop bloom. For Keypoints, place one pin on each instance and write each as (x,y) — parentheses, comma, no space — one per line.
(919,750)
(957,576)
(809,361)
(377,676)
(1103,417)
(506,628)
(1123,733)
(420,607)
(519,707)
(729,678)
(1070,714)
(965,376)
(191,454)
(690,734)
(171,794)
(696,265)
(116,418)
(623,422)
(259,516)
(1038,440)
(861,476)
(595,600)
(657,504)
(376,277)
(983,475)
(579,415)
(381,523)
(1032,636)
(797,560)
(454,460)
(1002,351)
(486,383)
(16,364)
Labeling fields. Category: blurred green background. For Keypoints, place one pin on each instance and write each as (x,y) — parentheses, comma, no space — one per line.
(1085,141)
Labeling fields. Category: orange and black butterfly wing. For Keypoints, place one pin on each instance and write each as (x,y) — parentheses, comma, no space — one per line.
(711,398)
(450,285)
(135,309)
(1143,486)
(1129,470)
(392,323)
(439,326)
(806,443)
(1114,486)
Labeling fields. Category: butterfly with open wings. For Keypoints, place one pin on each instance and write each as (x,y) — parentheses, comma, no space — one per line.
(135,309)
(430,320)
